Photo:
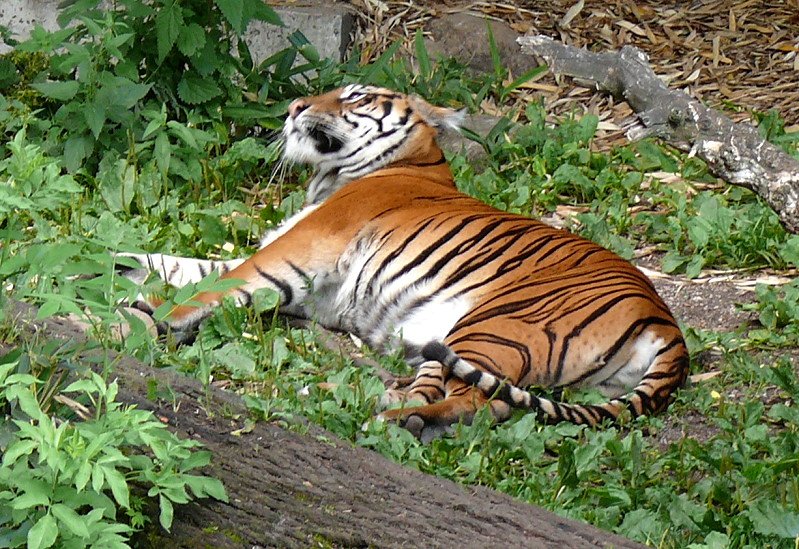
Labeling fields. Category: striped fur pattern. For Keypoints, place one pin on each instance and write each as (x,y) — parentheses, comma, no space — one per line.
(483,302)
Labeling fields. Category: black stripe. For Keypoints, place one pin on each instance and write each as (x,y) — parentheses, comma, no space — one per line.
(284,287)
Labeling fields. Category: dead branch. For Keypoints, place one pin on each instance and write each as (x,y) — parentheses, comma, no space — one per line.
(733,152)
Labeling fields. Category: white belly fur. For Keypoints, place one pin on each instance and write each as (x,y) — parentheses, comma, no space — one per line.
(432,321)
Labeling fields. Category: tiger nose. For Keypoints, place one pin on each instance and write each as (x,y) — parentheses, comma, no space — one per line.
(297,106)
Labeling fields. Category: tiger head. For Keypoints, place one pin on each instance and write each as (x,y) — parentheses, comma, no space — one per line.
(353,131)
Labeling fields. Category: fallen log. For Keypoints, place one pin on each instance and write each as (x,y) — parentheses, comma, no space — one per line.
(293,490)
(735,152)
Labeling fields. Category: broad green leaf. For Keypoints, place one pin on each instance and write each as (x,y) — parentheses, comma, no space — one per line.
(165,517)
(259,10)
(167,28)
(119,486)
(123,93)
(94,114)
(206,487)
(98,478)
(8,73)
(772,519)
(60,91)
(82,476)
(162,152)
(183,133)
(44,533)
(72,520)
(194,89)
(16,450)
(714,540)
(76,149)
(191,39)
(196,459)
(34,498)
(265,299)
(232,10)
(27,402)
(236,359)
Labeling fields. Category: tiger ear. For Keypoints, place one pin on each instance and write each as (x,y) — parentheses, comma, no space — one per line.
(440,118)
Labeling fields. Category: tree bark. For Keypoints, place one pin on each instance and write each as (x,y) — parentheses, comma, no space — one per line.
(733,152)
(292,490)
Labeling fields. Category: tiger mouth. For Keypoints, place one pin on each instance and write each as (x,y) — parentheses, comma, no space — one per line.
(325,143)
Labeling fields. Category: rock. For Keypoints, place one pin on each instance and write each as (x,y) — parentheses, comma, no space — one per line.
(464,36)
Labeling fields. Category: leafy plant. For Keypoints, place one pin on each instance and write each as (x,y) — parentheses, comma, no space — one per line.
(778,312)
(65,482)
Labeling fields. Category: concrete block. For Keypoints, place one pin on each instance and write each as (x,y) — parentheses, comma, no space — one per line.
(328,28)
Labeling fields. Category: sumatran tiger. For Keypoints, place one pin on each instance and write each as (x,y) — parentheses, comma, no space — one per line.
(483,302)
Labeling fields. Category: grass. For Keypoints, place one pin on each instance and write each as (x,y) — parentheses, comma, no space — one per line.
(184,171)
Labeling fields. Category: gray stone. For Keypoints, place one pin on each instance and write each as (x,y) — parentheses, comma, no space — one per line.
(328,30)
(480,124)
(464,36)
(21,16)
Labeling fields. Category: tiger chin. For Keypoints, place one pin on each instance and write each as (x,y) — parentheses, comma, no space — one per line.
(484,302)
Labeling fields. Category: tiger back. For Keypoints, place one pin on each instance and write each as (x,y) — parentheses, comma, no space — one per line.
(484,303)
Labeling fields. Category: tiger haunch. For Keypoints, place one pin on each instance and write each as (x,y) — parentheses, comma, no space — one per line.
(484,302)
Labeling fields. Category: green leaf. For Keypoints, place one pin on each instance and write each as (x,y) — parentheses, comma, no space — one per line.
(191,39)
(168,23)
(162,152)
(123,93)
(790,251)
(257,9)
(76,149)
(82,476)
(206,486)
(119,486)
(72,520)
(19,448)
(194,89)
(44,533)
(235,358)
(167,512)
(771,519)
(425,67)
(196,459)
(672,261)
(232,10)
(8,73)
(60,91)
(265,299)
(214,488)
(35,498)
(94,114)
(714,540)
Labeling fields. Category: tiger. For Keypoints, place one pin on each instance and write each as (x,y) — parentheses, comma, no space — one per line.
(484,304)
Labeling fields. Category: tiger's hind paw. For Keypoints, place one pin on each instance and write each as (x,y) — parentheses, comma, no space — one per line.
(416,425)
(425,432)
(393,398)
